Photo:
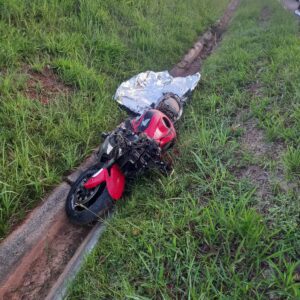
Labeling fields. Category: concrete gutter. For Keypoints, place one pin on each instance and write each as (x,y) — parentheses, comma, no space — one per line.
(17,244)
(59,289)
(40,227)
(192,60)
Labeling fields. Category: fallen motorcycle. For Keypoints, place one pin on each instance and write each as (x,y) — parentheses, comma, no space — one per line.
(134,146)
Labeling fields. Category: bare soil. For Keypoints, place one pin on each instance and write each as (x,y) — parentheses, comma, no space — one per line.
(253,141)
(254,89)
(45,85)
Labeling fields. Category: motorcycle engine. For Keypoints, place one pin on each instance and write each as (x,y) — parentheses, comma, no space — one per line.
(134,151)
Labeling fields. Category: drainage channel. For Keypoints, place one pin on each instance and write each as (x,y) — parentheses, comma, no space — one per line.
(45,252)
(34,255)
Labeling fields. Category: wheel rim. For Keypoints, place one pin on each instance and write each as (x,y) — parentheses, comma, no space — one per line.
(83,197)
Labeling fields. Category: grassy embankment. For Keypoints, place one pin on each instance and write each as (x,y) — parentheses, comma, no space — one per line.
(92,46)
(216,229)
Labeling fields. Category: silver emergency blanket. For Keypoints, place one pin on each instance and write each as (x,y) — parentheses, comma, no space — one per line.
(145,90)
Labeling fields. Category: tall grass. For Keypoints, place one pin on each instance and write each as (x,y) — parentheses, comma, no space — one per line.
(92,46)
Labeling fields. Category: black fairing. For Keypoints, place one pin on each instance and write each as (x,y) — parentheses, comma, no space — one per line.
(146,121)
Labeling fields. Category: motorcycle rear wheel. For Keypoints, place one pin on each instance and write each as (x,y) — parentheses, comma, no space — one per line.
(94,204)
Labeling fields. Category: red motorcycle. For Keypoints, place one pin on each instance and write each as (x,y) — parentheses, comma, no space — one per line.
(134,146)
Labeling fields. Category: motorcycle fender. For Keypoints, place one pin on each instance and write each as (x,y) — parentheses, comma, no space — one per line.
(115,181)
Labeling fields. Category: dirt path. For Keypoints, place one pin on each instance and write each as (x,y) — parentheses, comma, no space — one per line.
(38,251)
(254,142)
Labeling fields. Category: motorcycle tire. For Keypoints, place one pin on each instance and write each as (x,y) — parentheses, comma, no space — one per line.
(97,205)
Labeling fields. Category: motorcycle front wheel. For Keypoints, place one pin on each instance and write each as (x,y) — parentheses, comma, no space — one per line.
(84,206)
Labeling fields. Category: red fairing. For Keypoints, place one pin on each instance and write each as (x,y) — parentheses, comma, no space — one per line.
(115,182)
(155,125)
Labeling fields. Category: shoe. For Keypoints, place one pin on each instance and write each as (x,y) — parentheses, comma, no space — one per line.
(297,12)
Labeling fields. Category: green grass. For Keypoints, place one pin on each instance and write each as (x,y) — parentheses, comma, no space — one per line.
(291,160)
(200,233)
(92,46)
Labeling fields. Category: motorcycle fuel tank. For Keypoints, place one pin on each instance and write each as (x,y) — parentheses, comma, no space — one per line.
(157,126)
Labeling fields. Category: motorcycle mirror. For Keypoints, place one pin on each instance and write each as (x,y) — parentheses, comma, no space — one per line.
(104,135)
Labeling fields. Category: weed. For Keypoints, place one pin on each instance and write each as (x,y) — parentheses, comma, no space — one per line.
(291,161)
